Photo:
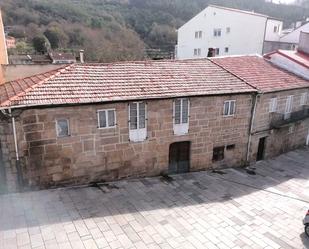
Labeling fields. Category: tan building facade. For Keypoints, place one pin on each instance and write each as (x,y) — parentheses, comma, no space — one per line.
(87,123)
(92,154)
(278,129)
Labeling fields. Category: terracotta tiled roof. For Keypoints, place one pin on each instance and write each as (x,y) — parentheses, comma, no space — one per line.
(260,73)
(89,83)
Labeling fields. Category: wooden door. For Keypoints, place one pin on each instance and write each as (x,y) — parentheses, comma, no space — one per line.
(261,149)
(179,158)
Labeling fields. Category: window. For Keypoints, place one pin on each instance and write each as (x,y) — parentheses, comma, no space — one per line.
(226,49)
(275,29)
(273,105)
(230,147)
(137,121)
(288,107)
(198,34)
(62,127)
(228,30)
(217,32)
(229,108)
(181,116)
(303,99)
(197,52)
(217,51)
(106,118)
(218,153)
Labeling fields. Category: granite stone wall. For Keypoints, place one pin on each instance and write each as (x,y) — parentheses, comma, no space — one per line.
(92,154)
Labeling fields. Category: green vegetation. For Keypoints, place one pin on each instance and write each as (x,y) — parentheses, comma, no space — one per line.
(111,30)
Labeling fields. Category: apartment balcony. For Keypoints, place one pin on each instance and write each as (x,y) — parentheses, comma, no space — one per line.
(278,120)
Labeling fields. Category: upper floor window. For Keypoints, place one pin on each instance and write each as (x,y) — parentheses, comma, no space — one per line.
(198,34)
(303,98)
(273,105)
(137,121)
(217,32)
(228,30)
(217,51)
(62,127)
(229,108)
(275,29)
(288,107)
(106,118)
(181,116)
(197,52)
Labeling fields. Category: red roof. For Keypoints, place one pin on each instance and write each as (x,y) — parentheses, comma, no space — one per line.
(90,83)
(296,56)
(260,73)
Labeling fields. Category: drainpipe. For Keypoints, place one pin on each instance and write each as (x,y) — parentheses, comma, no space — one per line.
(253,111)
(18,165)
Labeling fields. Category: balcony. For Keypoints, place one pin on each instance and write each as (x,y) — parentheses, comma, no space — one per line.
(278,120)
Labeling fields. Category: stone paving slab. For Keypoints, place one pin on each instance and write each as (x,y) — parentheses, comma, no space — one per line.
(228,209)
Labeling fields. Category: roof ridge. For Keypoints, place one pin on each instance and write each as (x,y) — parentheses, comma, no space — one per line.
(57,72)
(242,79)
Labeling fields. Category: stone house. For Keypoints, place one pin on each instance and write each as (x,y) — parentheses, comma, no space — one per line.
(91,122)
(280,119)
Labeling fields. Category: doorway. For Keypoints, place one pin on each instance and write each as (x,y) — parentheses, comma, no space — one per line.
(179,158)
(261,149)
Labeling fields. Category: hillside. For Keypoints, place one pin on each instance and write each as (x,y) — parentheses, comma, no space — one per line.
(111,30)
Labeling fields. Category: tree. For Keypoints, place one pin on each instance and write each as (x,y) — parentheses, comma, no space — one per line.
(41,44)
(56,37)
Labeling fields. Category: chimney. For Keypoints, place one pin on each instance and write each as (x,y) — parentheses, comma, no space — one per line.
(3,51)
(81,56)
(211,52)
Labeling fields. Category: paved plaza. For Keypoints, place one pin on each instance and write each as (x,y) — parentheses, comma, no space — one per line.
(231,208)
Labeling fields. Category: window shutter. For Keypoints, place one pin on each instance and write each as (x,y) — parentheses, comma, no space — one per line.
(177,111)
(142,115)
(133,116)
(185,111)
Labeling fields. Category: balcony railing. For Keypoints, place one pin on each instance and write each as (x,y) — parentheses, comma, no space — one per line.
(278,120)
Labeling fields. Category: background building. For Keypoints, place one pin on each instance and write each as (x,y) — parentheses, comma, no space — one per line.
(229,31)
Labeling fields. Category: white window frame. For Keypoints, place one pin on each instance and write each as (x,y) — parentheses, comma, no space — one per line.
(69,130)
(106,118)
(217,32)
(182,128)
(288,107)
(138,134)
(273,104)
(229,109)
(303,98)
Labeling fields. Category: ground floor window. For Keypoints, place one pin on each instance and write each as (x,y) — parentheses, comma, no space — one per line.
(218,153)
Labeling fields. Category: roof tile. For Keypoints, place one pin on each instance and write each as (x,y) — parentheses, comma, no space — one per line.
(260,73)
(88,83)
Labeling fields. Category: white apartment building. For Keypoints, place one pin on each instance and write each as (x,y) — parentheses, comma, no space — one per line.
(228,31)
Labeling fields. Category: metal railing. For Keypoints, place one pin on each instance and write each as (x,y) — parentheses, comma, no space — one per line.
(278,120)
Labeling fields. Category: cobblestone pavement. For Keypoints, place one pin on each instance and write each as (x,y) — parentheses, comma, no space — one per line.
(196,210)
